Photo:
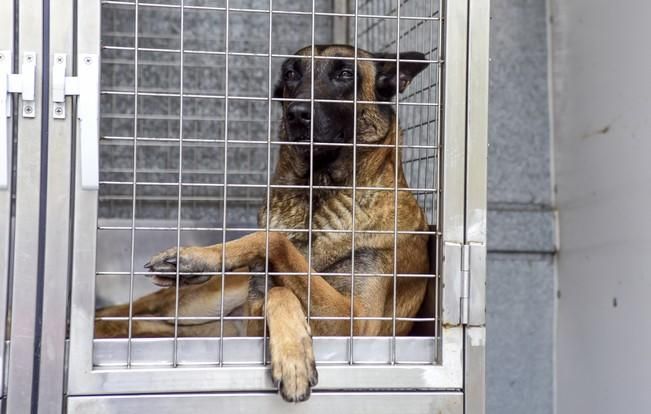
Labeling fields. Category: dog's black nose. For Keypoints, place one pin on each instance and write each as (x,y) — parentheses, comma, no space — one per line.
(299,112)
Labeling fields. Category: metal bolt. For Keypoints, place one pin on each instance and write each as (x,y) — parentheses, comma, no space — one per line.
(58,110)
(28,109)
(88,60)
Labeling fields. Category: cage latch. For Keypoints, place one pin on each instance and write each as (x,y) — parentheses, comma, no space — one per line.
(24,84)
(86,86)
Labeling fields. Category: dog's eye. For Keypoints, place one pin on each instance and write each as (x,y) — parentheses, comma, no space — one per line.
(291,75)
(345,74)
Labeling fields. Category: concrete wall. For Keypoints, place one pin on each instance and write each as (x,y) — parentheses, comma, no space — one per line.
(602,140)
(521,282)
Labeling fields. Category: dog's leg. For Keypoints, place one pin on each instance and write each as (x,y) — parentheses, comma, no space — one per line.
(283,257)
(194,300)
(292,360)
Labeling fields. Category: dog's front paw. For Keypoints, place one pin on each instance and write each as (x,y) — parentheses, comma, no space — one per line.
(293,369)
(188,260)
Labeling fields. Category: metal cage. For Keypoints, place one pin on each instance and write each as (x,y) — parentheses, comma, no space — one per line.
(171,139)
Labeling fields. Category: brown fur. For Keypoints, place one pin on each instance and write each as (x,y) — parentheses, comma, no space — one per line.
(332,209)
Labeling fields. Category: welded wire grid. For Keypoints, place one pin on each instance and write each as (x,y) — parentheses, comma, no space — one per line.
(188,138)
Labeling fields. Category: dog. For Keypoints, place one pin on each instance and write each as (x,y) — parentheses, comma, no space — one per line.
(329,164)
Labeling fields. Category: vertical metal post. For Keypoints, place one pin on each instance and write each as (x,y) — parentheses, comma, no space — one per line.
(57,235)
(6,43)
(453,141)
(27,252)
(475,234)
(84,226)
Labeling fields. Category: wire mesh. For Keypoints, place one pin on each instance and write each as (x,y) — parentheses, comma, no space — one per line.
(188,146)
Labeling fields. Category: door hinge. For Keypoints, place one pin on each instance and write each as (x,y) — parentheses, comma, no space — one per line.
(464,299)
(24,84)
(86,87)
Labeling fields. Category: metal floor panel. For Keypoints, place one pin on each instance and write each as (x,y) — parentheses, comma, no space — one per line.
(319,403)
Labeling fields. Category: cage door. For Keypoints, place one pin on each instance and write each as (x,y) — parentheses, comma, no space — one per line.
(187,126)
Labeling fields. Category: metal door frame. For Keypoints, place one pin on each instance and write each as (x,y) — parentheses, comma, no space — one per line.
(462,348)
(475,209)
(27,260)
(6,43)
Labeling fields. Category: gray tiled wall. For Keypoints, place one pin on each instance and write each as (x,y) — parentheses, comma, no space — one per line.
(521,220)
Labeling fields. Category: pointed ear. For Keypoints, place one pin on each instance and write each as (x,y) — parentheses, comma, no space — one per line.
(385,80)
(278,90)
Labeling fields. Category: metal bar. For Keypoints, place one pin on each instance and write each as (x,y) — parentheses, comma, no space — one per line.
(6,156)
(351,349)
(224,217)
(447,375)
(319,403)
(476,176)
(200,141)
(477,154)
(439,181)
(58,218)
(261,98)
(268,193)
(395,193)
(325,274)
(5,117)
(136,30)
(242,54)
(451,215)
(311,174)
(82,307)
(27,260)
(180,192)
(389,15)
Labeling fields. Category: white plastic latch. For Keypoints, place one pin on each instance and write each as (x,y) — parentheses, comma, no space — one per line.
(23,83)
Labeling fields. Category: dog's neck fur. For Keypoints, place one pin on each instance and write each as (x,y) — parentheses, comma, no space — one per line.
(293,167)
(288,207)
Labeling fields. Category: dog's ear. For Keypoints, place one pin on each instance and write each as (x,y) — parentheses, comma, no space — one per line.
(278,90)
(385,80)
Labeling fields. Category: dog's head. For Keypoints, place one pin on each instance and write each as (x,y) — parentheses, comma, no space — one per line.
(333,73)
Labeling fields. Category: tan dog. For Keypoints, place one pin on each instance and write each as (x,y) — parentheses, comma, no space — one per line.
(376,169)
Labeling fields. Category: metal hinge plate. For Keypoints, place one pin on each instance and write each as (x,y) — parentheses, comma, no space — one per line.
(86,86)
(463,284)
(24,84)
(464,297)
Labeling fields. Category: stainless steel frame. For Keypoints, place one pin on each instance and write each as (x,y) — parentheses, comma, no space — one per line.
(58,221)
(167,375)
(7,17)
(476,191)
(26,257)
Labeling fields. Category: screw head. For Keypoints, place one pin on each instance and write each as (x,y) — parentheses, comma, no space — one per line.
(88,60)
(28,109)
(58,110)
(60,59)
(2,56)
(29,58)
